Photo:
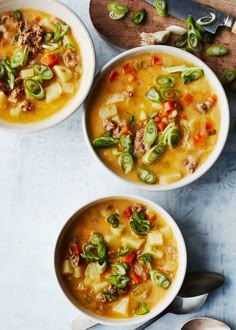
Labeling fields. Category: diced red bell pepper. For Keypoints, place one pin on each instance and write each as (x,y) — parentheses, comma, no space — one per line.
(161,126)
(186,99)
(129,258)
(127,212)
(169,106)
(156,60)
(50,59)
(208,126)
(74,249)
(134,277)
(127,68)
(200,139)
(113,76)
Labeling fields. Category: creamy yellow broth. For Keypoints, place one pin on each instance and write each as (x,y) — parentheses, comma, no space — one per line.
(88,286)
(172,165)
(10,109)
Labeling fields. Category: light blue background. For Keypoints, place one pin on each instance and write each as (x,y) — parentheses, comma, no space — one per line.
(45,177)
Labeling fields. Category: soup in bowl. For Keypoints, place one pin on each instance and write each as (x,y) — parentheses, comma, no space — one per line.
(157,117)
(120,260)
(47,64)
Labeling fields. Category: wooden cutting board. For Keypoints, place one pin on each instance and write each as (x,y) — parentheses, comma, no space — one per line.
(125,34)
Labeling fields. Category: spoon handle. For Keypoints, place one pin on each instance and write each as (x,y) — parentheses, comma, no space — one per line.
(151,321)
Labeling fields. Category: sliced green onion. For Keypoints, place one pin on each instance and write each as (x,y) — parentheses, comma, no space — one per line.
(171,94)
(11,80)
(110,296)
(146,175)
(117,8)
(139,225)
(159,279)
(154,95)
(165,81)
(127,143)
(102,249)
(171,135)
(19,57)
(206,20)
(120,281)
(126,162)
(132,121)
(145,257)
(43,71)
(181,41)
(17,14)
(194,37)
(191,74)
(123,251)
(176,68)
(2,71)
(142,309)
(217,50)
(113,220)
(96,238)
(150,132)
(90,252)
(47,36)
(60,31)
(116,16)
(105,142)
(161,7)
(69,45)
(34,88)
(228,76)
(50,46)
(120,268)
(139,16)
(101,266)
(154,154)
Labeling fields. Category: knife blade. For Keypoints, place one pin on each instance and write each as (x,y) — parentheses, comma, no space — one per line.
(183,8)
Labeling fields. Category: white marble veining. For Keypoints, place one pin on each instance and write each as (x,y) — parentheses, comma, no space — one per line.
(45,177)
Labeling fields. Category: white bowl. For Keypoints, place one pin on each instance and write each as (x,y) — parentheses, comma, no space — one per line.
(222,101)
(81,34)
(174,288)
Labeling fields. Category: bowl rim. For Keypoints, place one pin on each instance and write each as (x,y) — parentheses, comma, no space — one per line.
(224,123)
(54,119)
(182,259)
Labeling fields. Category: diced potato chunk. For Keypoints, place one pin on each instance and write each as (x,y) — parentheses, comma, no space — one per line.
(166,232)
(78,272)
(153,251)
(115,98)
(118,230)
(67,268)
(63,73)
(68,88)
(66,40)
(122,307)
(27,73)
(3,100)
(134,243)
(100,286)
(47,24)
(155,239)
(92,275)
(142,115)
(107,112)
(53,92)
(169,178)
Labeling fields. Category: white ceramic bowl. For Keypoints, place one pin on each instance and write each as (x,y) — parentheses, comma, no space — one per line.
(81,34)
(222,101)
(174,288)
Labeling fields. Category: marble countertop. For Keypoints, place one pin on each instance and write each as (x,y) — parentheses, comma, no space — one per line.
(45,177)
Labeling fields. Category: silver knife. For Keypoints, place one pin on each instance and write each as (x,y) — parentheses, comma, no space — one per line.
(182,8)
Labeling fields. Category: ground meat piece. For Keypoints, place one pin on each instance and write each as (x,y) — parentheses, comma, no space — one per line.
(108,125)
(3,19)
(4,88)
(191,164)
(100,297)
(116,130)
(19,90)
(138,208)
(203,107)
(111,289)
(70,58)
(139,145)
(75,260)
(32,36)
(26,106)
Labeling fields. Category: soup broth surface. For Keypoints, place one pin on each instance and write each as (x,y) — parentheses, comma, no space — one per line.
(121,282)
(150,121)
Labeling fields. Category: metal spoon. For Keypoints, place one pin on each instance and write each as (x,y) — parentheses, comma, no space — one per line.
(204,323)
(191,296)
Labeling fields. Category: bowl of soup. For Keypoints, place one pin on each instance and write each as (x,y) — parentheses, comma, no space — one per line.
(120,260)
(157,117)
(47,64)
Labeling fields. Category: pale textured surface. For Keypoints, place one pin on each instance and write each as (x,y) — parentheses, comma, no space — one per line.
(45,177)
